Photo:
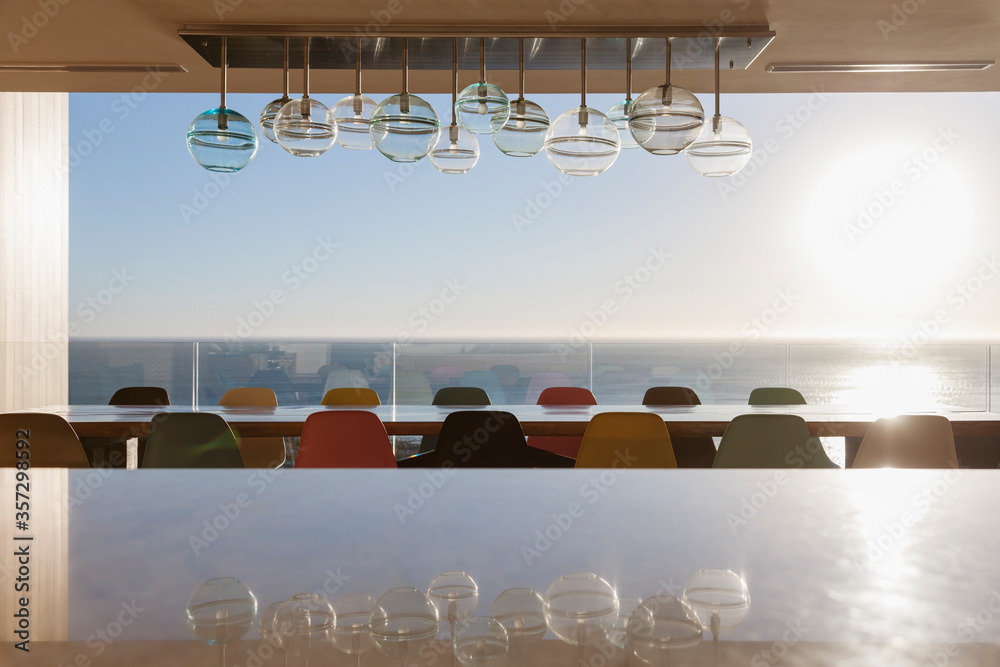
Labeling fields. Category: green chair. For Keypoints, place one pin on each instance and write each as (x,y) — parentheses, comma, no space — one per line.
(776,396)
(770,441)
(464,396)
(191,440)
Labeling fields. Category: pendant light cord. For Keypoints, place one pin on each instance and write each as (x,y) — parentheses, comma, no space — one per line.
(520,68)
(305,70)
(670,41)
(284,94)
(454,79)
(482,59)
(583,72)
(716,119)
(357,67)
(224,62)
(628,69)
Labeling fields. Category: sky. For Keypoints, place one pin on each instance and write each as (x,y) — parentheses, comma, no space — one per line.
(860,216)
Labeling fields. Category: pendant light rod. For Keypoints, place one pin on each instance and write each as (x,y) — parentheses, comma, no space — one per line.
(583,72)
(520,67)
(482,59)
(406,74)
(305,70)
(357,67)
(628,68)
(670,41)
(716,119)
(225,63)
(454,79)
(284,94)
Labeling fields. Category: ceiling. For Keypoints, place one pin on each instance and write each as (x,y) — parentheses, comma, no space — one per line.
(145,33)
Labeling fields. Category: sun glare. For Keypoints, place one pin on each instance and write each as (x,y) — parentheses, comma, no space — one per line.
(891,390)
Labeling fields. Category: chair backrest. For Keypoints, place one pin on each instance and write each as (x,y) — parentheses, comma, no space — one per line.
(52,442)
(626,440)
(453,396)
(191,440)
(249,396)
(776,396)
(257,451)
(481,439)
(344,439)
(413,388)
(140,396)
(670,396)
(561,444)
(908,441)
(351,396)
(770,441)
(541,380)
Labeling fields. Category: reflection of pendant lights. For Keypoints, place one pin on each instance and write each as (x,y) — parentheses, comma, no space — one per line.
(483,108)
(221,139)
(620,112)
(666,119)
(305,127)
(353,113)
(404,127)
(523,135)
(724,146)
(457,149)
(582,142)
(269,113)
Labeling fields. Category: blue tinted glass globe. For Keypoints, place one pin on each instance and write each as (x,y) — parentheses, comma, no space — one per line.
(404,127)
(222,140)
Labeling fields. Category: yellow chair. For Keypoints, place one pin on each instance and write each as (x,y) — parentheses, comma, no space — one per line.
(626,440)
(908,441)
(257,451)
(52,442)
(351,396)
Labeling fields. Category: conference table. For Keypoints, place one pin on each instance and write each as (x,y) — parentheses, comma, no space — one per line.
(681,421)
(887,567)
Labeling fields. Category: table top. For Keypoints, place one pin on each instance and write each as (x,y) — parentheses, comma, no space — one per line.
(895,563)
(687,420)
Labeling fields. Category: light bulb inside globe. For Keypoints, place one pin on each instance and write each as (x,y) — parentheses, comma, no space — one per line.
(520,123)
(481,109)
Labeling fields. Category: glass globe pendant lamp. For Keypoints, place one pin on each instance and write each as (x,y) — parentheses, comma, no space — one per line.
(523,135)
(305,127)
(403,622)
(404,127)
(353,113)
(521,612)
(619,113)
(666,119)
(221,139)
(483,108)
(581,609)
(457,149)
(659,627)
(305,623)
(271,110)
(583,141)
(724,146)
(221,611)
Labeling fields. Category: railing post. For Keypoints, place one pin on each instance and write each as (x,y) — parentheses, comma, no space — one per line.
(195,378)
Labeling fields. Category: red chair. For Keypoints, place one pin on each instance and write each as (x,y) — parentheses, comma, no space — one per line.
(344,439)
(561,444)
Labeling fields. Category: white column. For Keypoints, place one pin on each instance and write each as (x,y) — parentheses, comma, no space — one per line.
(34,245)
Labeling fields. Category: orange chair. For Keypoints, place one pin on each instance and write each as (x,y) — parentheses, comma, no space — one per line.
(257,451)
(52,442)
(626,440)
(351,396)
(908,441)
(691,452)
(561,444)
(344,439)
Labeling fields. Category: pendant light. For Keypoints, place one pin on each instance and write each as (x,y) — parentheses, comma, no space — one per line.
(483,108)
(619,113)
(305,127)
(457,149)
(404,127)
(269,113)
(582,142)
(724,146)
(353,113)
(666,119)
(523,135)
(221,139)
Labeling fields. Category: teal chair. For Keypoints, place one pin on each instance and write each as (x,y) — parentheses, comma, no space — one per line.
(191,440)
(770,441)
(464,396)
